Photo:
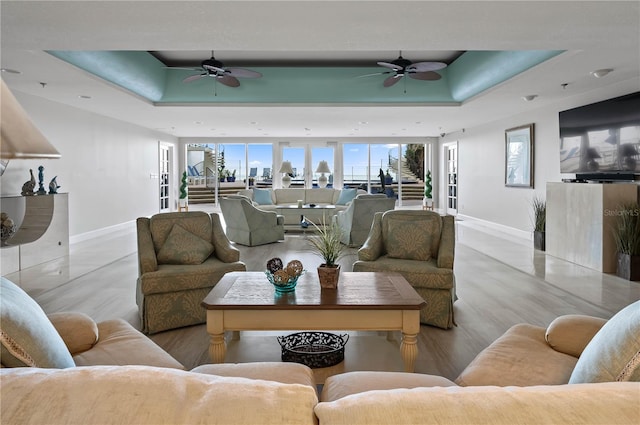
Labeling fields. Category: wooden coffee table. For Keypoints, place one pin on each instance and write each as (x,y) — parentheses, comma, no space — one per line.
(363,301)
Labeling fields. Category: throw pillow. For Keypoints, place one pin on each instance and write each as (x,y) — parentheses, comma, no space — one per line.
(411,239)
(183,247)
(27,336)
(614,352)
(346,196)
(262,196)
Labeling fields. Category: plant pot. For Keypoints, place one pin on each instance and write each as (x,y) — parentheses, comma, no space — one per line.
(388,180)
(329,276)
(539,240)
(628,267)
(231,179)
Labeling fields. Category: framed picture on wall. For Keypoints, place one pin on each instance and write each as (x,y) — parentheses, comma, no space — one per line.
(518,164)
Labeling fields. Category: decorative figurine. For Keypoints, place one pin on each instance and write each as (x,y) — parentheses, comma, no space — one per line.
(53,186)
(41,190)
(28,186)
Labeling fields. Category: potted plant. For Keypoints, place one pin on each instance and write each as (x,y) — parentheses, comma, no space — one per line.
(231,176)
(428,187)
(326,244)
(539,222)
(626,234)
(182,203)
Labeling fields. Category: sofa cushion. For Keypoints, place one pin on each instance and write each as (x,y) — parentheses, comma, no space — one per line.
(27,336)
(614,352)
(283,372)
(319,196)
(183,247)
(149,395)
(605,403)
(78,331)
(346,196)
(344,384)
(262,196)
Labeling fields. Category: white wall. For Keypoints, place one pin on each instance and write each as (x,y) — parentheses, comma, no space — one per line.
(105,166)
(481,154)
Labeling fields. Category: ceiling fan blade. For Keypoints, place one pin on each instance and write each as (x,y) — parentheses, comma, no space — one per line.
(392,80)
(390,65)
(426,66)
(425,76)
(193,78)
(243,73)
(374,74)
(228,80)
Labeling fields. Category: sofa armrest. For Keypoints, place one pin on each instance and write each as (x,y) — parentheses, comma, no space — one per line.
(78,331)
(373,247)
(226,252)
(147,261)
(571,333)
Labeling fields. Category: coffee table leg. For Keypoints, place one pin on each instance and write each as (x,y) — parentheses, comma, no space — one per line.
(409,343)
(215,329)
(217,348)
(409,351)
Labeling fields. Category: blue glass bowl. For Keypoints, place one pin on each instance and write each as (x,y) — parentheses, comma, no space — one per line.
(290,286)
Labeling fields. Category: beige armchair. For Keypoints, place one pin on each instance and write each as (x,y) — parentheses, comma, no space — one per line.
(181,256)
(356,220)
(248,225)
(420,246)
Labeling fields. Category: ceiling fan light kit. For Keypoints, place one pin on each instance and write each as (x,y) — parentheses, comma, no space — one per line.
(401,67)
(227,76)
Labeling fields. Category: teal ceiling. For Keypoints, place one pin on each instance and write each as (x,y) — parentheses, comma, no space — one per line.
(141,73)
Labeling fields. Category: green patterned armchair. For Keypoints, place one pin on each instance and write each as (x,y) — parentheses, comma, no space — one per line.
(248,225)
(356,220)
(420,246)
(181,256)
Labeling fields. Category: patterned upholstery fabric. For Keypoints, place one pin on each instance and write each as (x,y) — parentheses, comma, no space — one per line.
(356,220)
(169,295)
(432,278)
(183,247)
(249,225)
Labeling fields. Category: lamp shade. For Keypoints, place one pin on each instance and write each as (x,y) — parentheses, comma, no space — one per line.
(323,167)
(20,139)
(286,168)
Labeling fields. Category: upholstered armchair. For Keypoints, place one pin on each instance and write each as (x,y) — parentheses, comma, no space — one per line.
(356,220)
(420,246)
(248,225)
(181,256)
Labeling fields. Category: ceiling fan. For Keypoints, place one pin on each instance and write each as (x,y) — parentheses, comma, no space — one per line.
(227,76)
(402,67)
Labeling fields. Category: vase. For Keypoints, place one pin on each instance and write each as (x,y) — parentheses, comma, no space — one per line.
(539,240)
(329,276)
(628,267)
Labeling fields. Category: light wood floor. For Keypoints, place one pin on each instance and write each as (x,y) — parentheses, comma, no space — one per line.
(501,281)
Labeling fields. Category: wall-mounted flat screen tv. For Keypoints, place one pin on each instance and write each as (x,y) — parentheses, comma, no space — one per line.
(602,137)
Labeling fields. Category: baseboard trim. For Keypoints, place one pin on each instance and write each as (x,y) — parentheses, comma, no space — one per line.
(522,234)
(105,231)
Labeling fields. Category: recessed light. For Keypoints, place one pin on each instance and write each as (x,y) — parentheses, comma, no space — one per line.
(197,122)
(84,96)
(363,122)
(599,73)
(10,71)
(529,97)
(253,122)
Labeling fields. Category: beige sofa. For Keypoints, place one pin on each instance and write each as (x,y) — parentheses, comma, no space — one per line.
(279,198)
(604,387)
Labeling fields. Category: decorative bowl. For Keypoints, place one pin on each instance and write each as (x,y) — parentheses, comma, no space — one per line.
(284,287)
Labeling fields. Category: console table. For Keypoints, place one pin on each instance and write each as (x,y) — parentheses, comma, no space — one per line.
(43,230)
(580,217)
